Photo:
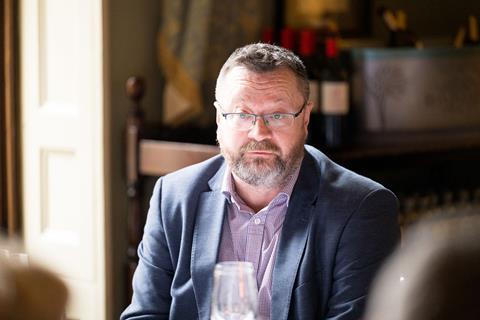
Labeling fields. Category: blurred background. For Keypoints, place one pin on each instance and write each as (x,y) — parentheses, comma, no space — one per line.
(73,182)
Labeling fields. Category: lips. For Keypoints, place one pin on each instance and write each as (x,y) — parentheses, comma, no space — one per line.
(260,151)
(260,147)
(260,154)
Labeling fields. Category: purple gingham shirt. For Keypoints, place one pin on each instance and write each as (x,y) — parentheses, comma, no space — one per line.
(253,237)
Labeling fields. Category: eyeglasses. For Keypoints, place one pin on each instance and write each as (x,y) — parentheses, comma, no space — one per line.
(243,121)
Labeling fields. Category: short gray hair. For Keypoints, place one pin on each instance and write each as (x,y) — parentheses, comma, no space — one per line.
(263,57)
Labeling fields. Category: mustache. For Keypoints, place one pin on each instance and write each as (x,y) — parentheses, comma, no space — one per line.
(259,146)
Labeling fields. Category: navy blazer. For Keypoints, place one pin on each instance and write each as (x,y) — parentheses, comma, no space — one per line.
(338,229)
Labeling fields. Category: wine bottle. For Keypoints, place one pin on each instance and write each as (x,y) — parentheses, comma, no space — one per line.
(268,35)
(308,53)
(287,38)
(459,39)
(334,97)
(473,38)
(399,33)
(390,22)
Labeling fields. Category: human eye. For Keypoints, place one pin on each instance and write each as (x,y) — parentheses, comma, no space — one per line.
(278,116)
(278,119)
(241,118)
(244,116)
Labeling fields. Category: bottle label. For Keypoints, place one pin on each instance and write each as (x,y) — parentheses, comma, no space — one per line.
(314,94)
(334,98)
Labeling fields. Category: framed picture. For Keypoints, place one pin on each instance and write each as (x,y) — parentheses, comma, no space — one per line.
(352,17)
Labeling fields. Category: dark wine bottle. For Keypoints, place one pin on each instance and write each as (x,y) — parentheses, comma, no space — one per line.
(473,38)
(399,35)
(308,53)
(268,35)
(288,38)
(334,98)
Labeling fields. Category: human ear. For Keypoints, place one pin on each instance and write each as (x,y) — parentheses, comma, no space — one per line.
(308,109)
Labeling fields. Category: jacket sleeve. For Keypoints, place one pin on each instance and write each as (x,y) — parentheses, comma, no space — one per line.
(369,236)
(153,277)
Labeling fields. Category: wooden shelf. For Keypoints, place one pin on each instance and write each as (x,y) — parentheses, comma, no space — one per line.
(406,144)
(178,148)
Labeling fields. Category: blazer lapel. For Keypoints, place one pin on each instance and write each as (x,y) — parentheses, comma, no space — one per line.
(293,238)
(206,240)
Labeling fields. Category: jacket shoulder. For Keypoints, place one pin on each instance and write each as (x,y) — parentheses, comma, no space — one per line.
(340,180)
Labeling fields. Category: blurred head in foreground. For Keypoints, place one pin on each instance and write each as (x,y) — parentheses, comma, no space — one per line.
(28,291)
(434,275)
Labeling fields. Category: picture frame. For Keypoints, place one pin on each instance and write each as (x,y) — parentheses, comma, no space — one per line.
(353,17)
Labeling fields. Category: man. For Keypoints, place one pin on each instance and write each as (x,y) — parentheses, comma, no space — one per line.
(315,232)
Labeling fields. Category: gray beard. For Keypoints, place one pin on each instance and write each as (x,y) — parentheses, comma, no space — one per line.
(266,173)
(259,174)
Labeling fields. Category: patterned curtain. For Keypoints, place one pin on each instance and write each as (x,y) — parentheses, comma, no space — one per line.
(195,38)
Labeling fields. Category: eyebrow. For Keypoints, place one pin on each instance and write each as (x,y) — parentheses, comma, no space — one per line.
(276,108)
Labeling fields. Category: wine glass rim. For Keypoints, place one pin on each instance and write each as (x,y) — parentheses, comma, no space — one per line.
(234,265)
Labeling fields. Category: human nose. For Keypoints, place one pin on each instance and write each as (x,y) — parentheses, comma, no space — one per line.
(260,130)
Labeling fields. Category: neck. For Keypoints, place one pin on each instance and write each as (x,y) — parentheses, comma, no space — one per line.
(256,197)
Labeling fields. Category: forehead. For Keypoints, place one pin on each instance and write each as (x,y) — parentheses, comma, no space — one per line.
(244,82)
(242,76)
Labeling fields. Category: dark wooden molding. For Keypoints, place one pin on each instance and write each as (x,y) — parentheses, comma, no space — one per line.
(9,139)
(135,89)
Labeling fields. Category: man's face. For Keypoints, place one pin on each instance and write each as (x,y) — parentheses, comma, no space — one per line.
(262,156)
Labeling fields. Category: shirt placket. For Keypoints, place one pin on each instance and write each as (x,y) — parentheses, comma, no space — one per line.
(254,239)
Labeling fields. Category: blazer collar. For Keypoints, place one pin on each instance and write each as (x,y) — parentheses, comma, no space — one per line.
(293,237)
(206,239)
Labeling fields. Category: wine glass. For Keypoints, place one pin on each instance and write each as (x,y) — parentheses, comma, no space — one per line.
(235,294)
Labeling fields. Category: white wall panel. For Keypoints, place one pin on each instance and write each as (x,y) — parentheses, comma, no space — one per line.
(59,30)
(63,146)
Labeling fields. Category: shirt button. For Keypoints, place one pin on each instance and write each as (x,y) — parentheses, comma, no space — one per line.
(257,221)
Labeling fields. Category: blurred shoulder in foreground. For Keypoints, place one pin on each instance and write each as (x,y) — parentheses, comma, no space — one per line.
(434,275)
(28,291)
